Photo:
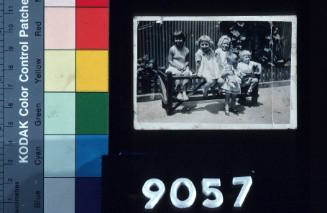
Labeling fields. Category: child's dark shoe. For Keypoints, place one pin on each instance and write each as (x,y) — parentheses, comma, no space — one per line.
(233,110)
(254,101)
(242,100)
(226,110)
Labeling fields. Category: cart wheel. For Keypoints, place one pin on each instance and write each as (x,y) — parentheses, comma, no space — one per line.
(163,89)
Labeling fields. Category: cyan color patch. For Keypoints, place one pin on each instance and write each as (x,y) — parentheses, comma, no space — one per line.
(59,156)
(89,152)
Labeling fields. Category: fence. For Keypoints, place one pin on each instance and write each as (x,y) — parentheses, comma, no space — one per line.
(155,39)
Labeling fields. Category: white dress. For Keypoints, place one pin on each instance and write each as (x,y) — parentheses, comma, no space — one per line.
(208,65)
(178,57)
(221,58)
(232,82)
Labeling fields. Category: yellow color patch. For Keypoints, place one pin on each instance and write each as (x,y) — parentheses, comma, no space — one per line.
(91,71)
(59,70)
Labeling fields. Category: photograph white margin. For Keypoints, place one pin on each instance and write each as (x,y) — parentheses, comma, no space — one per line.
(209,126)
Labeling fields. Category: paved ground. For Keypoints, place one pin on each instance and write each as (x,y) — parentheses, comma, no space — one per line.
(274,107)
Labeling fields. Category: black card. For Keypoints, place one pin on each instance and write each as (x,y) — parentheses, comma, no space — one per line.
(274,186)
(188,144)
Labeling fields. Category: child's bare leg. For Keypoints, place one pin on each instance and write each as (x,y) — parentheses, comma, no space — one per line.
(233,103)
(209,84)
(214,83)
(206,88)
(254,82)
(184,89)
(220,82)
(179,92)
(179,88)
(185,84)
(178,82)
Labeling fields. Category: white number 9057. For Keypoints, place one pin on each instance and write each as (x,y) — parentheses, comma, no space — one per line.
(209,188)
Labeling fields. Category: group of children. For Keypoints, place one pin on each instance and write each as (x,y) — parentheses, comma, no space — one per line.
(220,67)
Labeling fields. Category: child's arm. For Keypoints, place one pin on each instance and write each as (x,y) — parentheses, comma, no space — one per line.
(226,71)
(239,72)
(218,59)
(170,58)
(258,70)
(197,66)
(187,57)
(198,59)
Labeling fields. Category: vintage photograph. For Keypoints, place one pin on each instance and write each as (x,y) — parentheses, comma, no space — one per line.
(224,72)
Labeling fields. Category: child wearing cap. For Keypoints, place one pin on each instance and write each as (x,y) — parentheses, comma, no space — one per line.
(178,57)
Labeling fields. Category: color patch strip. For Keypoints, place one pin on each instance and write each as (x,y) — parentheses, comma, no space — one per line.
(76,98)
(60,78)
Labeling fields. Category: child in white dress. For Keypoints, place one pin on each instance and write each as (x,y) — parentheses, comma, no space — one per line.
(223,48)
(206,63)
(222,51)
(178,64)
(231,85)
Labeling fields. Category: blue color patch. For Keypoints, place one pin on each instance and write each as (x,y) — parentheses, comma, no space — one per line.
(89,152)
(88,195)
(59,195)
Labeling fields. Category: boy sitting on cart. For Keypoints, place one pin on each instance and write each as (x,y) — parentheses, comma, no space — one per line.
(249,72)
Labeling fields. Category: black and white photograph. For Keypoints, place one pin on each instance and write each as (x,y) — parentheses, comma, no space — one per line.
(211,73)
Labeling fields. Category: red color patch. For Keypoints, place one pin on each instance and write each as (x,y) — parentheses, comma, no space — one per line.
(92,3)
(92,28)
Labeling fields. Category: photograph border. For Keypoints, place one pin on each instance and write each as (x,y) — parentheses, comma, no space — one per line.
(293,124)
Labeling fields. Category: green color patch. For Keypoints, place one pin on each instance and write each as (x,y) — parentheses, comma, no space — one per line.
(91,113)
(59,113)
